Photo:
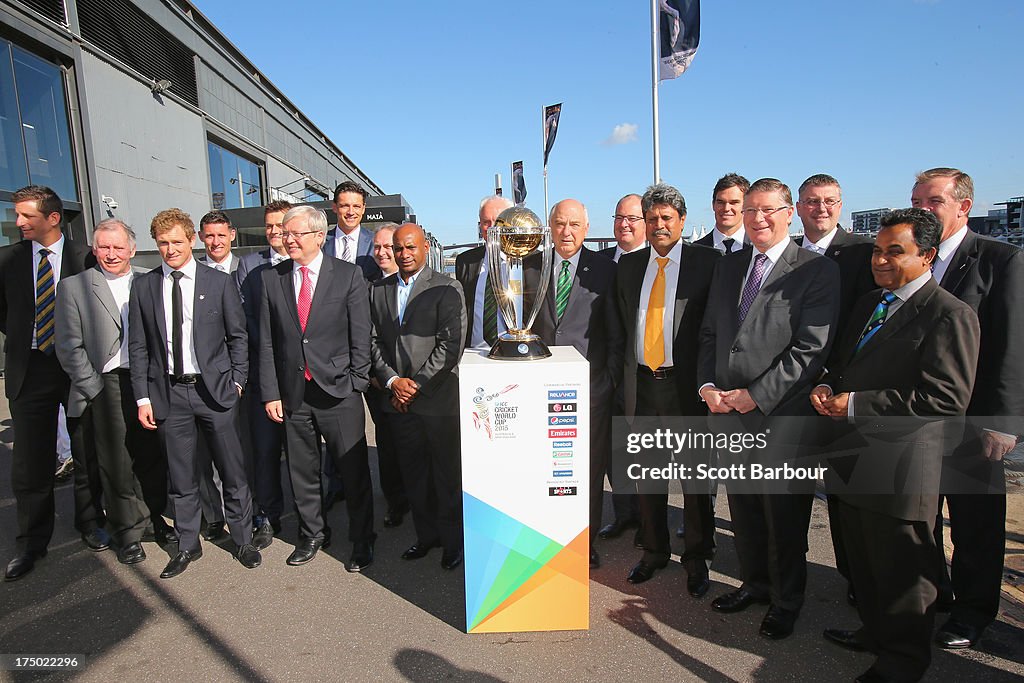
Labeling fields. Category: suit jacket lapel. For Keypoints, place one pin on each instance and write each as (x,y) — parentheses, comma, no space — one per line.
(678,304)
(288,288)
(102,292)
(156,285)
(907,312)
(962,261)
(784,266)
(324,282)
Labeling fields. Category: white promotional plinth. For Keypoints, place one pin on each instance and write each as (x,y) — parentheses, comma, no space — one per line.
(525,474)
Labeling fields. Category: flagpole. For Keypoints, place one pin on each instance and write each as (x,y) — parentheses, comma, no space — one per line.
(543,149)
(654,90)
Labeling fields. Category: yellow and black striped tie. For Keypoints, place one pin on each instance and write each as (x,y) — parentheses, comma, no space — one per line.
(45,298)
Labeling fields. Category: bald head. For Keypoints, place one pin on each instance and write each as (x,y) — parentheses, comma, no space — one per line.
(569,227)
(410,247)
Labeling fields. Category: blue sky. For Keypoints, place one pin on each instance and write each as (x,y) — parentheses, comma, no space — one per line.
(431,99)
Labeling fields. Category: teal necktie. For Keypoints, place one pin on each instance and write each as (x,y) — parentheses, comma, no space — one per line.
(875,321)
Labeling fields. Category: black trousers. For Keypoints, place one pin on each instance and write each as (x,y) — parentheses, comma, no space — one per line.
(600,459)
(267,439)
(659,397)
(34,414)
(430,457)
(893,569)
(131,465)
(341,423)
(193,410)
(86,481)
(388,470)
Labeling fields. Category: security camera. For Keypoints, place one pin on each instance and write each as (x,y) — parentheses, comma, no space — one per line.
(110,202)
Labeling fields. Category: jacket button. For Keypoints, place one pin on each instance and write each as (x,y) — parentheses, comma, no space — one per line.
(305,341)
(302,368)
(735,349)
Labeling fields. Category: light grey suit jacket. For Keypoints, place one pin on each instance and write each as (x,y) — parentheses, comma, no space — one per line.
(88,334)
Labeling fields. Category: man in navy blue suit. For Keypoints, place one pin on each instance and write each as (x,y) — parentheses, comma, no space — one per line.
(349,241)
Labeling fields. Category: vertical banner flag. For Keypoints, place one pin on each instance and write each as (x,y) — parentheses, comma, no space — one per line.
(518,183)
(679,33)
(551,114)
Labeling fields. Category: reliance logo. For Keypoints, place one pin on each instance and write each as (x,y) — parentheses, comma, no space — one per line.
(562,395)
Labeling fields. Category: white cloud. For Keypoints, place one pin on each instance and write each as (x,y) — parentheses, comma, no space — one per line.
(621,134)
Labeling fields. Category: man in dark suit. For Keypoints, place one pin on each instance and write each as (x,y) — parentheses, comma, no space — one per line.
(628,227)
(579,311)
(661,295)
(819,206)
(266,436)
(349,241)
(727,203)
(768,330)
(910,349)
(36,385)
(92,346)
(195,313)
(471,271)
(419,328)
(314,368)
(987,275)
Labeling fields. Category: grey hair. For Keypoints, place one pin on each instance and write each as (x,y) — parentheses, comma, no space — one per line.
(112,224)
(387,226)
(504,200)
(316,220)
(586,216)
(663,194)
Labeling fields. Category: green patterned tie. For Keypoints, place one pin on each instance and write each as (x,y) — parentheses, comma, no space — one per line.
(878,317)
(562,290)
(490,313)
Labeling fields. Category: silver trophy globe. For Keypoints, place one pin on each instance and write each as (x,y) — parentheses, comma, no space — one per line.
(518,233)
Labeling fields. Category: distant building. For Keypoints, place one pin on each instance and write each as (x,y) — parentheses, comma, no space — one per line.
(128,107)
(867,222)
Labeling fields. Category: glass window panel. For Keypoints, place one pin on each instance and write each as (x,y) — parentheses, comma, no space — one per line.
(9,232)
(44,121)
(218,185)
(234,180)
(13,165)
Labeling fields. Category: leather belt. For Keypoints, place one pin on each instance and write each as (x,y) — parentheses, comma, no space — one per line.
(660,373)
(185,379)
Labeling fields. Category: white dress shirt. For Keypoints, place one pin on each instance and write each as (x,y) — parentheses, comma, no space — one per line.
(773,254)
(822,245)
(120,289)
(404,289)
(224,266)
(574,262)
(276,258)
(477,338)
(190,366)
(55,258)
(668,316)
(947,248)
(339,243)
(314,272)
(619,252)
(719,238)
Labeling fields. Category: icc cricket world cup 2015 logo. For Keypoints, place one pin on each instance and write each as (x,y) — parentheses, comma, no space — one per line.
(483,418)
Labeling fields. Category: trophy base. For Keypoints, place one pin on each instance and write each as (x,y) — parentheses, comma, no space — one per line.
(523,346)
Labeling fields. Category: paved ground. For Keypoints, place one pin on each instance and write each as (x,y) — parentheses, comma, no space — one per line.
(405,621)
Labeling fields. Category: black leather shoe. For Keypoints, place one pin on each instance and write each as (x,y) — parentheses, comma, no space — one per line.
(418,550)
(249,556)
(681,530)
(304,552)
(616,528)
(394,517)
(21,565)
(214,531)
(844,638)
(595,559)
(131,553)
(362,556)
(263,535)
(179,563)
(871,676)
(644,570)
(778,623)
(698,585)
(956,635)
(451,560)
(165,535)
(736,601)
(96,540)
(851,596)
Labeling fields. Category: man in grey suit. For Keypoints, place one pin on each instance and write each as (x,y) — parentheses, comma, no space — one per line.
(910,349)
(92,346)
(419,332)
(579,311)
(764,340)
(189,362)
(314,368)
(349,241)
(266,436)
(217,235)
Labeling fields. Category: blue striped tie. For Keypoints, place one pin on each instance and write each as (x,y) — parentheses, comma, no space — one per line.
(45,299)
(875,321)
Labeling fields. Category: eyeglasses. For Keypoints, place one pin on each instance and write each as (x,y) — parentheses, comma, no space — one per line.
(296,235)
(817,203)
(619,218)
(767,212)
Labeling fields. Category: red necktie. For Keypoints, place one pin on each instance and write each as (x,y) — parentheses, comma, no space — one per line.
(305,300)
